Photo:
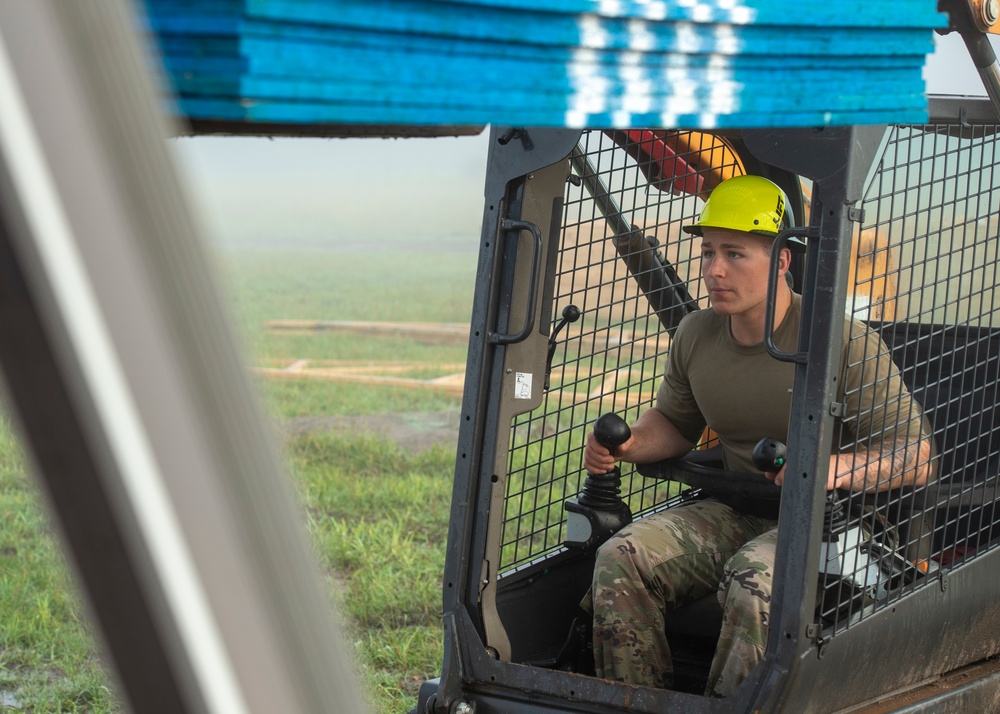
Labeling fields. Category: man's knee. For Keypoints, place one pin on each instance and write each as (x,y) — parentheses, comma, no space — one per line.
(746,583)
(746,579)
(618,557)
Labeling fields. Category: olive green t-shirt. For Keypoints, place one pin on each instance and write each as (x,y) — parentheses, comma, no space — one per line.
(744,394)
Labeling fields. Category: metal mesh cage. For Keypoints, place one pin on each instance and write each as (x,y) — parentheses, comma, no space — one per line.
(617,206)
(923,278)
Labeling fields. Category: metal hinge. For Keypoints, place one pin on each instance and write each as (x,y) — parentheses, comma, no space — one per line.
(856,214)
(814,633)
(838,409)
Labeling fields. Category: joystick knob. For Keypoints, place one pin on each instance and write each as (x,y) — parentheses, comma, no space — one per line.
(611,431)
(769,455)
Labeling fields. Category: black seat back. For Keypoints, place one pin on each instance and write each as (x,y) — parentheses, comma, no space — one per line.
(954,373)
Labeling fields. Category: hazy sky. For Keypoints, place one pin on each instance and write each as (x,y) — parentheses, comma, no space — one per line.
(309,190)
(328,191)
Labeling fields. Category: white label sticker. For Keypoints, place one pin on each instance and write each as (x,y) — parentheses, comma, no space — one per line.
(522,385)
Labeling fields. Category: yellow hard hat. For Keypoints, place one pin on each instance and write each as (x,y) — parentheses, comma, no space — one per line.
(751,204)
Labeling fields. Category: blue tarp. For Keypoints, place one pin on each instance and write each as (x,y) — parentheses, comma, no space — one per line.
(577,63)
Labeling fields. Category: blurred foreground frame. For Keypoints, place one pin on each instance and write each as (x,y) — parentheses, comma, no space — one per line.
(131,396)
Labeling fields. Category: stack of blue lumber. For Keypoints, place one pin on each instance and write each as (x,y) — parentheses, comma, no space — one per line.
(575,63)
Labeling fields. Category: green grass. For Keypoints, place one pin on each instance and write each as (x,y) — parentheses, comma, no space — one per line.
(377,517)
(310,398)
(48,660)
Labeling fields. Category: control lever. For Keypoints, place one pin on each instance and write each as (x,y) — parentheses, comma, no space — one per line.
(853,570)
(570,314)
(599,511)
(769,455)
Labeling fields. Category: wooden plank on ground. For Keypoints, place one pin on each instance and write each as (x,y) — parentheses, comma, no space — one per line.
(433,332)
(332,375)
(587,339)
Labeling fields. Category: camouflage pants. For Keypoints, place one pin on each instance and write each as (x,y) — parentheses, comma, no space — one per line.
(667,560)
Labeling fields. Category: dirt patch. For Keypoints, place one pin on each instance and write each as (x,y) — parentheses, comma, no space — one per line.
(412,432)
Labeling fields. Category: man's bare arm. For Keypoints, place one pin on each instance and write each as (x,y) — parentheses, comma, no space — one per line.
(654,437)
(900,462)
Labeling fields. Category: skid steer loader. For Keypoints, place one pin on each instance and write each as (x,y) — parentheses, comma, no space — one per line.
(583,276)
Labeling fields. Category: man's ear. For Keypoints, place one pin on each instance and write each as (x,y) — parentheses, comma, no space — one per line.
(784,261)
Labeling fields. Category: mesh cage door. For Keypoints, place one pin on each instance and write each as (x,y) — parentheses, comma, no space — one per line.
(625,265)
(621,250)
(916,560)
(628,270)
(923,285)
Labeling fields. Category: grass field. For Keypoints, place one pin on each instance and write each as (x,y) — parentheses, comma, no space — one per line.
(377,515)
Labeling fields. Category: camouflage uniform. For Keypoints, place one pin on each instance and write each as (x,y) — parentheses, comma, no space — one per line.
(667,560)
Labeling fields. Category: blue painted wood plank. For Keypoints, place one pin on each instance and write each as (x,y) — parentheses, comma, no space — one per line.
(260,50)
(511,29)
(761,12)
(914,13)
(478,79)
(326,113)
(749,41)
(364,63)
(755,99)
(554,62)
(460,18)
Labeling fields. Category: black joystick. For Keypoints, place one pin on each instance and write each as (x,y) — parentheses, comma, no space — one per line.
(769,455)
(611,431)
(599,512)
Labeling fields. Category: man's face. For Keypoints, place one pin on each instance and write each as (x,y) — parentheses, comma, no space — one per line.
(734,266)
